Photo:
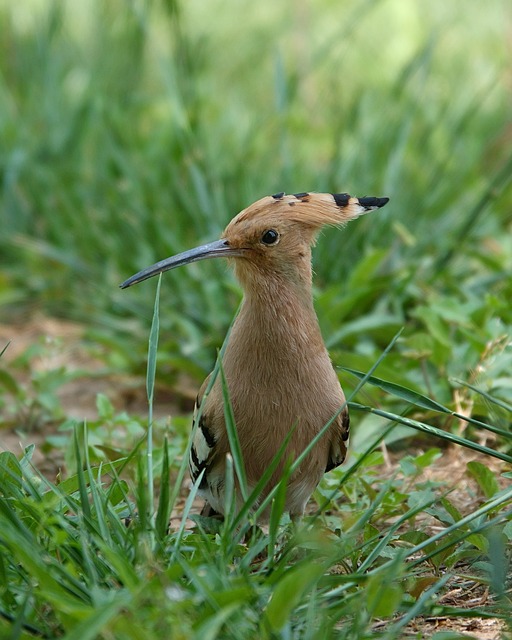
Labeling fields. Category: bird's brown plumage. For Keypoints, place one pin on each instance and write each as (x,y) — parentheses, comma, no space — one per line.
(277,368)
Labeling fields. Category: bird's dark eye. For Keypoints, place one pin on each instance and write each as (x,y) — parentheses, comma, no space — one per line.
(270,237)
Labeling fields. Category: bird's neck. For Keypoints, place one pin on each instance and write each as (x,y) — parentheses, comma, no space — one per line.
(264,285)
(277,314)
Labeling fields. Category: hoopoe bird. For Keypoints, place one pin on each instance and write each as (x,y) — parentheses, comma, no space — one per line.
(276,366)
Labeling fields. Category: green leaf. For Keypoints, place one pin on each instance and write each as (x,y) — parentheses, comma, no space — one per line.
(424,460)
(435,325)
(104,407)
(364,324)
(10,472)
(366,268)
(413,397)
(451,509)
(507,530)
(479,541)
(383,597)
(289,592)
(485,478)
(8,382)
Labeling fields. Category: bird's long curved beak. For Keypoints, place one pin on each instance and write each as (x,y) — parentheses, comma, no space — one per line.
(217,249)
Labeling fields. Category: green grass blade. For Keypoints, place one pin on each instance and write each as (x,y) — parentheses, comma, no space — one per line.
(230,496)
(430,430)
(289,591)
(234,442)
(496,186)
(354,467)
(164,507)
(184,464)
(413,397)
(89,628)
(184,516)
(150,389)
(82,484)
(253,498)
(359,386)
(384,540)
(484,394)
(324,429)
(460,525)
(420,400)
(210,629)
(142,495)
(277,510)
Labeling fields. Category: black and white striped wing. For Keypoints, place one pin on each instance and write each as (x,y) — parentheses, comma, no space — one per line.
(339,444)
(202,451)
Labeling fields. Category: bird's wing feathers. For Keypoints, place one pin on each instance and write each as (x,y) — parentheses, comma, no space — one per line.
(339,443)
(203,446)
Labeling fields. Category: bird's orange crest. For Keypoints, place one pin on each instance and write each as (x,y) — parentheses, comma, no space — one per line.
(309,209)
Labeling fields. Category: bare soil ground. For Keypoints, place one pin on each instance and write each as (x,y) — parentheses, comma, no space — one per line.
(78,399)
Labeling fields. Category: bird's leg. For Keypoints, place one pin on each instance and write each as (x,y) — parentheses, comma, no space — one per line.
(209,512)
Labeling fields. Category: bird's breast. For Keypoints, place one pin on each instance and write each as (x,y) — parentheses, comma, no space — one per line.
(279,376)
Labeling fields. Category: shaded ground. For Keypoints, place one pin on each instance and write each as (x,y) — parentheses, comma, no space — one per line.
(64,349)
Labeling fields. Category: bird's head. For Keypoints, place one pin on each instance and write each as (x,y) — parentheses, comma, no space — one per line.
(273,236)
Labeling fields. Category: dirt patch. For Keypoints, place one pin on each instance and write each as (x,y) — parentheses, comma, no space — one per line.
(478,628)
(60,345)
(52,347)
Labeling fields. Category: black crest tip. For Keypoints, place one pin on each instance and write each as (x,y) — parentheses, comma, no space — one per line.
(341,199)
(370,202)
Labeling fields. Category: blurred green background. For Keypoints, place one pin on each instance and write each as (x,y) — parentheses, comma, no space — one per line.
(131,130)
